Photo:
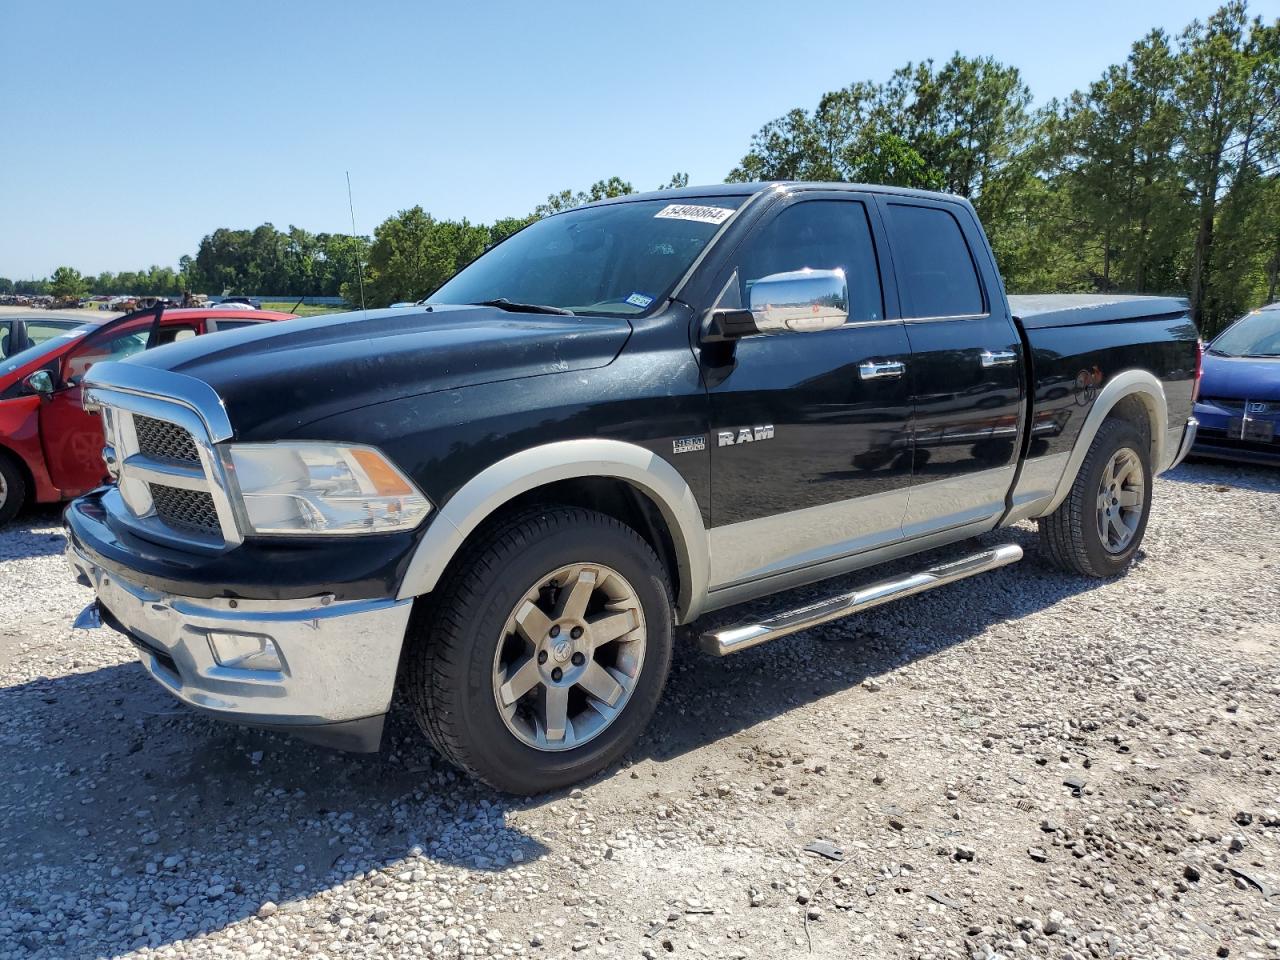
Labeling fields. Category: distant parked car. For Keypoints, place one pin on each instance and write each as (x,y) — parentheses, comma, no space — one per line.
(1239,404)
(50,446)
(252,302)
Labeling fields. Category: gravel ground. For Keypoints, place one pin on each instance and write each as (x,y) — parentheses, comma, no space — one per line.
(1024,764)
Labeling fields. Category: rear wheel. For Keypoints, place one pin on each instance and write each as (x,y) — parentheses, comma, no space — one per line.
(546,651)
(13,488)
(1097,529)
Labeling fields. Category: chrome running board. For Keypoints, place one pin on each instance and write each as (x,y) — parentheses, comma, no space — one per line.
(732,639)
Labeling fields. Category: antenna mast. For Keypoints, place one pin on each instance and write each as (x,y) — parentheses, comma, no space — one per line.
(359,264)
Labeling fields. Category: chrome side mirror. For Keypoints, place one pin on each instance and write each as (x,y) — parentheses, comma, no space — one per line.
(802,301)
(39,382)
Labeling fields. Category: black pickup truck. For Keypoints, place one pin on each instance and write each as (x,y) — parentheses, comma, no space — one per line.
(623,417)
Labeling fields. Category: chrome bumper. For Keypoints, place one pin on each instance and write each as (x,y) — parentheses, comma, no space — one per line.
(1188,440)
(337,660)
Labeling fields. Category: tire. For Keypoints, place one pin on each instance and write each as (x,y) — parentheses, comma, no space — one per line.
(1072,537)
(476,633)
(13,488)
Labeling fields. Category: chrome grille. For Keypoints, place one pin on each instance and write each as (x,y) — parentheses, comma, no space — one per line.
(164,441)
(169,489)
(187,510)
(163,429)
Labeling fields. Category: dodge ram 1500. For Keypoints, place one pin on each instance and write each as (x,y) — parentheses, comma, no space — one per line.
(626,415)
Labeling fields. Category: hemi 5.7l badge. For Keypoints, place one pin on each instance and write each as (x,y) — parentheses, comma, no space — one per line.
(689,444)
(745,435)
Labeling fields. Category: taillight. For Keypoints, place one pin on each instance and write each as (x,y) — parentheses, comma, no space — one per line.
(1195,386)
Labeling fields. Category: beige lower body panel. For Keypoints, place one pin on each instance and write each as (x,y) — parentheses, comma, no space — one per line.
(956,501)
(838,566)
(755,549)
(761,550)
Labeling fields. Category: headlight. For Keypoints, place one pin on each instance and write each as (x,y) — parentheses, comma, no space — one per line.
(307,487)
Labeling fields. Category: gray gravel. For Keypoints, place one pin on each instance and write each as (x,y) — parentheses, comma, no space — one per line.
(1025,764)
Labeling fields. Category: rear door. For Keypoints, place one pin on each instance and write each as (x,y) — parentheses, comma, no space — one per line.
(820,460)
(967,377)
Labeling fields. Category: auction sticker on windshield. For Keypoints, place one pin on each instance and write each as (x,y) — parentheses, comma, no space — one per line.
(691,211)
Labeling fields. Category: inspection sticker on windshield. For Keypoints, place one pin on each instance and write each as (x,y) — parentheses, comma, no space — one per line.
(639,300)
(692,211)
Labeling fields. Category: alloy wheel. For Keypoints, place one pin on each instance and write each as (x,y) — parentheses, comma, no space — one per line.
(1121,494)
(569,657)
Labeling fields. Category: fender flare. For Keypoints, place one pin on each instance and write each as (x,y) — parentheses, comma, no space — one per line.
(1146,387)
(538,466)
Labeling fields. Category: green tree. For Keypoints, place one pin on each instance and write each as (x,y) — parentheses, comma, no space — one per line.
(1113,151)
(67,282)
(340,260)
(6,285)
(413,254)
(887,158)
(956,128)
(567,199)
(1228,92)
(499,230)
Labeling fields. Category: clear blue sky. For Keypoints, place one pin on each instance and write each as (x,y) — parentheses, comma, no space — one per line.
(130,130)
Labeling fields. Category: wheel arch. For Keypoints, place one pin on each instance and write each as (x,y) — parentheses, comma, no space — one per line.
(1134,395)
(584,472)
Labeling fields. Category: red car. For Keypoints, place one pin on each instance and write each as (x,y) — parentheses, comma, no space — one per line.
(50,446)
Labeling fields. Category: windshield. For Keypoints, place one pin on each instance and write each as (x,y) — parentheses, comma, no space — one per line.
(47,348)
(618,259)
(1254,335)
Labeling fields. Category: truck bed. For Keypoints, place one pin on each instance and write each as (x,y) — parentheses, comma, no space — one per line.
(1039,310)
(1070,367)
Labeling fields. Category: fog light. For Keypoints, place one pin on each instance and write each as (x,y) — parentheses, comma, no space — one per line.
(246,651)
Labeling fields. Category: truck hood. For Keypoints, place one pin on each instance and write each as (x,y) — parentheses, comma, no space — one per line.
(276,377)
(1241,378)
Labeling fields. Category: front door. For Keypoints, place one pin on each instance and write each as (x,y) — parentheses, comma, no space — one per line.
(811,447)
(71,436)
(966,365)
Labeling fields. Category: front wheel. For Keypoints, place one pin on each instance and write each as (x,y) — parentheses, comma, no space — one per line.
(13,488)
(1097,529)
(546,650)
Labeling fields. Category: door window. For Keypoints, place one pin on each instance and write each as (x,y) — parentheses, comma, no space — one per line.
(38,331)
(172,334)
(114,348)
(821,235)
(936,273)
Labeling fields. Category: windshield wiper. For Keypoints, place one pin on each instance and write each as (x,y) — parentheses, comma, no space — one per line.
(502,303)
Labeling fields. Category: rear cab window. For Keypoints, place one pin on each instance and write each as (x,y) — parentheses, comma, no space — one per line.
(937,276)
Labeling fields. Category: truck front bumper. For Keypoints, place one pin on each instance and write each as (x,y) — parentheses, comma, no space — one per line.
(320,668)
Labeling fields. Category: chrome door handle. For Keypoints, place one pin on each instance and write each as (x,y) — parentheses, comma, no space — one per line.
(1001,358)
(881,369)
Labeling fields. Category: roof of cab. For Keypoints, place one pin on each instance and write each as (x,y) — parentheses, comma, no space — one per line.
(752,189)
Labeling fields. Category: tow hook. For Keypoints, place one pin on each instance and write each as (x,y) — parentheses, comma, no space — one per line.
(90,618)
